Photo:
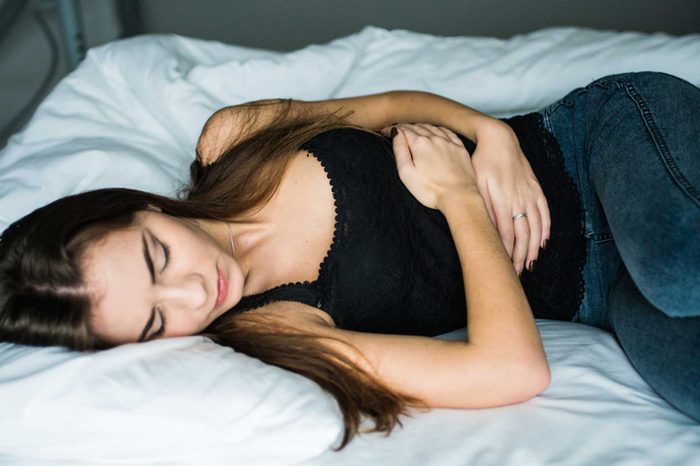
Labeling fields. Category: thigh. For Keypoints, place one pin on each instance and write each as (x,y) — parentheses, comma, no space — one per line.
(632,144)
(645,168)
(663,349)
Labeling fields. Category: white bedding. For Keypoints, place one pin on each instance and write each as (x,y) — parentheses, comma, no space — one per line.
(129,116)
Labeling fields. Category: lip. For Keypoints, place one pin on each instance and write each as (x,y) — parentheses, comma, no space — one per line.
(222,288)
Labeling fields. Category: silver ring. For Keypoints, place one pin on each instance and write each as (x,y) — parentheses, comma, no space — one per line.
(515,217)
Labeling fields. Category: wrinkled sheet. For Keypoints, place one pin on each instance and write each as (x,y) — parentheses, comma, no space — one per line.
(596,411)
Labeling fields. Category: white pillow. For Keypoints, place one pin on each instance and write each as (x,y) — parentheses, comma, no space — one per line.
(174,401)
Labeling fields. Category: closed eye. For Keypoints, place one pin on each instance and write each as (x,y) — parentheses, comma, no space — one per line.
(161,330)
(166,254)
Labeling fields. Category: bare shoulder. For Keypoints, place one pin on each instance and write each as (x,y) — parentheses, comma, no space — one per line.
(234,123)
(229,125)
(444,374)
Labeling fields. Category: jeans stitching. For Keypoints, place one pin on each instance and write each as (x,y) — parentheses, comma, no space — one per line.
(660,143)
(586,218)
(600,237)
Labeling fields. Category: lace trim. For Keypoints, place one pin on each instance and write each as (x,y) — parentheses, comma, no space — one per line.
(257,300)
(556,157)
(555,289)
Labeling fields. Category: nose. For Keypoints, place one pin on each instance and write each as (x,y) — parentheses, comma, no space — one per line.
(189,293)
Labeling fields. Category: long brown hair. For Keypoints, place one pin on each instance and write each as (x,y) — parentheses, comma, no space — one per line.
(44,300)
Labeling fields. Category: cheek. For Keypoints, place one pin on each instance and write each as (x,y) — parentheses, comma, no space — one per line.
(185,325)
(201,245)
(201,258)
(192,252)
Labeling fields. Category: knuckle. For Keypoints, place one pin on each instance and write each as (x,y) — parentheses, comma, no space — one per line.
(421,140)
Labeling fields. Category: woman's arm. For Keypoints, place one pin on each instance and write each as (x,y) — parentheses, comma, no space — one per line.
(380,110)
(502,361)
(499,317)
(425,107)
(436,169)
(374,112)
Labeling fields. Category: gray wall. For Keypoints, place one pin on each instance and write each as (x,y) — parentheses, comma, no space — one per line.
(291,24)
(25,53)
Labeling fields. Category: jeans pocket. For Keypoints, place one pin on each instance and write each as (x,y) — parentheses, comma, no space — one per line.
(568,99)
(599,238)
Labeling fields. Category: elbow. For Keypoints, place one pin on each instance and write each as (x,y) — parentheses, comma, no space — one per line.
(526,377)
(542,381)
(535,380)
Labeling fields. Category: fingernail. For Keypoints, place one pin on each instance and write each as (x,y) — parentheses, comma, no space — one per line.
(394,132)
(544,244)
(519,273)
(531,267)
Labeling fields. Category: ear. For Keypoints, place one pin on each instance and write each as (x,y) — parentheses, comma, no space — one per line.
(153,208)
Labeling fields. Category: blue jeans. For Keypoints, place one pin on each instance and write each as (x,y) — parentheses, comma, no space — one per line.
(631,142)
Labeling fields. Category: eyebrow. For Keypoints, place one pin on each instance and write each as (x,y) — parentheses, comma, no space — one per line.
(149,264)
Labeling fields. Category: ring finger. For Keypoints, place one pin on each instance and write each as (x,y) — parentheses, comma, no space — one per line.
(533,245)
(521,228)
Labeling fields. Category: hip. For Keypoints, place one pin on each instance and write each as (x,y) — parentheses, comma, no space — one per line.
(612,139)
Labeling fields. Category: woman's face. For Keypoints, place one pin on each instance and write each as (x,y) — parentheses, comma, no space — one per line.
(163,271)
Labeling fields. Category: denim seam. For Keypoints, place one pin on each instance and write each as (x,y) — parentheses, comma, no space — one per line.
(547,123)
(585,215)
(600,237)
(660,143)
(548,128)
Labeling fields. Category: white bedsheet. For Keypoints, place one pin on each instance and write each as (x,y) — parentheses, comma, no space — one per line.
(597,411)
(129,116)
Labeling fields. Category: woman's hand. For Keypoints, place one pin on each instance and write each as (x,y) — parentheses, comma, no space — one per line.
(432,162)
(509,187)
(505,180)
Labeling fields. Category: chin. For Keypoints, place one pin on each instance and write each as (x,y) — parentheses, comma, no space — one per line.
(235,282)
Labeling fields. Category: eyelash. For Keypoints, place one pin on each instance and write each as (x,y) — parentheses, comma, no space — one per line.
(166,251)
(161,330)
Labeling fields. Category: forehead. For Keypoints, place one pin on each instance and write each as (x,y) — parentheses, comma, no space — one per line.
(117,280)
(120,241)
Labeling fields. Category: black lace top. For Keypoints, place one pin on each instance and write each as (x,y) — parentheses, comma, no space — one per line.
(393,266)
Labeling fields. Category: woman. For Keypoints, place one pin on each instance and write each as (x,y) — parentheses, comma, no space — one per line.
(409,232)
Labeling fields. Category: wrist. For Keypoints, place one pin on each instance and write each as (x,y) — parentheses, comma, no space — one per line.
(489,128)
(458,198)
